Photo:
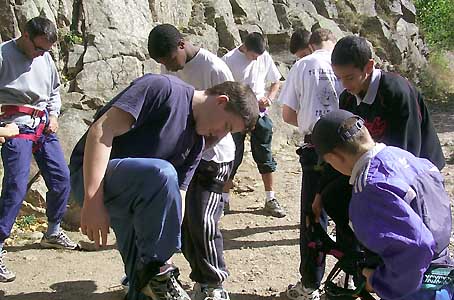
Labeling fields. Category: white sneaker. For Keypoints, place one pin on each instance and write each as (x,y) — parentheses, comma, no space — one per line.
(205,292)
(5,274)
(299,292)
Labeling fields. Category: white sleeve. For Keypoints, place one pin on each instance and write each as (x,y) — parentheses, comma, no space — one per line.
(273,74)
(289,94)
(220,75)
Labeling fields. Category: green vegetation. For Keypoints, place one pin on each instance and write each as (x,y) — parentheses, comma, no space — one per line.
(436,78)
(73,38)
(436,21)
(436,18)
(25,222)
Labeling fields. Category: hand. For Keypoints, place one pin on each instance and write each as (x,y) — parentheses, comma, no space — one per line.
(95,221)
(53,124)
(317,207)
(2,140)
(368,274)
(264,102)
(11,130)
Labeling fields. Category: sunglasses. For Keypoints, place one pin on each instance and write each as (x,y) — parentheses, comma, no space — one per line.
(39,49)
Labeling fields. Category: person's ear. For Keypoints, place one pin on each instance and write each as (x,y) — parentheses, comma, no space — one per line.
(222,99)
(181,44)
(369,67)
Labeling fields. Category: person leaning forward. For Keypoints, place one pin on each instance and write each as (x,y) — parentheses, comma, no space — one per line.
(132,163)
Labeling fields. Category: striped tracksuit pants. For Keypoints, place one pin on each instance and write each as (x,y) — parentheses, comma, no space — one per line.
(202,242)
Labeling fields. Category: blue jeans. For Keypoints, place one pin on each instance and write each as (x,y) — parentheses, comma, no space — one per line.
(16,156)
(143,199)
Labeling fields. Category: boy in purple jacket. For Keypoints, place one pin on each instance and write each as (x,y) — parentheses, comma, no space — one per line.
(399,209)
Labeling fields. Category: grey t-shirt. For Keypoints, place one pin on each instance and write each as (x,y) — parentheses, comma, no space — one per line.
(31,82)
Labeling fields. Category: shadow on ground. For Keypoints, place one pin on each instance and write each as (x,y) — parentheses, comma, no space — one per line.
(68,290)
(231,235)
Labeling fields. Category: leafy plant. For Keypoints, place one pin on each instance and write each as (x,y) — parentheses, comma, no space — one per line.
(436,18)
(73,38)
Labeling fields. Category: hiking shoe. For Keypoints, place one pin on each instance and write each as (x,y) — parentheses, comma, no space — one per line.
(165,287)
(299,292)
(5,274)
(206,292)
(58,241)
(273,208)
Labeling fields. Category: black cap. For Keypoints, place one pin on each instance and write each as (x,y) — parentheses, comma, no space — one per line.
(328,132)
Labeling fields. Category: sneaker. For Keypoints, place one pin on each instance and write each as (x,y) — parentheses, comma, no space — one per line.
(58,241)
(165,287)
(273,208)
(205,292)
(299,292)
(5,274)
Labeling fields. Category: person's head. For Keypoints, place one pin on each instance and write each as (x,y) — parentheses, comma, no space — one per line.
(254,45)
(322,38)
(167,46)
(299,43)
(340,138)
(38,37)
(230,107)
(353,64)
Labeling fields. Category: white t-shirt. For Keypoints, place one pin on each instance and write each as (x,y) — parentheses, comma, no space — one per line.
(203,71)
(311,89)
(255,73)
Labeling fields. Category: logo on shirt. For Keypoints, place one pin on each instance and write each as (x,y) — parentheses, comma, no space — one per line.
(376,128)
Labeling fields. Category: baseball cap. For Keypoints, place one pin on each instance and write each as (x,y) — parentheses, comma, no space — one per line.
(329,132)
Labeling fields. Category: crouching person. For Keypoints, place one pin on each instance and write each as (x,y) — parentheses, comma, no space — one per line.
(399,209)
(131,165)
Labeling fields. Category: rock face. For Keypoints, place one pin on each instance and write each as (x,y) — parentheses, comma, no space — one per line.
(103,43)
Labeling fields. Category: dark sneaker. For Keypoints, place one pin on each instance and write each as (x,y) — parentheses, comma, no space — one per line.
(165,287)
(58,241)
(205,292)
(273,208)
(5,274)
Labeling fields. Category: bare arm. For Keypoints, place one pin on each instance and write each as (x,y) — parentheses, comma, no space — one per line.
(266,101)
(94,218)
(289,115)
(274,88)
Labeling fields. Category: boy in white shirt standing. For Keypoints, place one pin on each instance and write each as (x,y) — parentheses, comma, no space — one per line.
(251,64)
(311,90)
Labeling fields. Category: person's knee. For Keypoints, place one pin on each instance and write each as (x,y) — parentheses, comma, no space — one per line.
(167,171)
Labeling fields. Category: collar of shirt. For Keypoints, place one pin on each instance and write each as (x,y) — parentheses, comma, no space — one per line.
(364,160)
(372,90)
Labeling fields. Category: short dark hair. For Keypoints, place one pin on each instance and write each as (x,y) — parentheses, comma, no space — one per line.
(322,35)
(163,40)
(255,42)
(40,26)
(242,101)
(351,50)
(299,40)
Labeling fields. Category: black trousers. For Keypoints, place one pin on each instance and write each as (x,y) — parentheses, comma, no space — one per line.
(312,264)
(202,242)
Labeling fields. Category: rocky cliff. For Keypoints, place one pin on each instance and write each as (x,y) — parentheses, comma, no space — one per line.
(102,44)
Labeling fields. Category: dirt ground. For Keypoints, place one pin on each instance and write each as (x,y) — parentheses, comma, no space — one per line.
(261,251)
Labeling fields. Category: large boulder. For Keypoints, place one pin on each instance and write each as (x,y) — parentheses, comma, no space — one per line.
(260,13)
(219,14)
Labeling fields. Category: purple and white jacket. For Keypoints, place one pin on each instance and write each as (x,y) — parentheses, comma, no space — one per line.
(400,211)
